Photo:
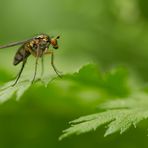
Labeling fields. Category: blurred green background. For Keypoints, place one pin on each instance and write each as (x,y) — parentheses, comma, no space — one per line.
(107,32)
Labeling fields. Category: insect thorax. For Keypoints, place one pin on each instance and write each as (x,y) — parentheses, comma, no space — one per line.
(36,47)
(39,44)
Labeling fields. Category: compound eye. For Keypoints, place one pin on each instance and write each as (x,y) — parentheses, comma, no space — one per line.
(53,42)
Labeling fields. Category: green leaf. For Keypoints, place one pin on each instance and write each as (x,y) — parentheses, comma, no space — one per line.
(114,82)
(121,114)
(88,83)
(7,91)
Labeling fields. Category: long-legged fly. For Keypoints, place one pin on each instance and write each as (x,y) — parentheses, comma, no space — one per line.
(37,46)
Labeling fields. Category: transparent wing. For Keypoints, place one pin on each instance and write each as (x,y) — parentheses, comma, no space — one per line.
(15,43)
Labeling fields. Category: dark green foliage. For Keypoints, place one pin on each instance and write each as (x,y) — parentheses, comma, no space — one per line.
(120,115)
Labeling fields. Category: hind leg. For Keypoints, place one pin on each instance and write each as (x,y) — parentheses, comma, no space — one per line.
(20,72)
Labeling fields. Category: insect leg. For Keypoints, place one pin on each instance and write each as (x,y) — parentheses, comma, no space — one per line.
(52,64)
(36,64)
(20,72)
(42,66)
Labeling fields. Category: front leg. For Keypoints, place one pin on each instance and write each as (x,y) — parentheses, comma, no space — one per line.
(52,62)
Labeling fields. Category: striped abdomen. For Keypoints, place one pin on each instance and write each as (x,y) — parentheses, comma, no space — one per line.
(20,55)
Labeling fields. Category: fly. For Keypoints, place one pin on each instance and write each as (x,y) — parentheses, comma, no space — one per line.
(37,46)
